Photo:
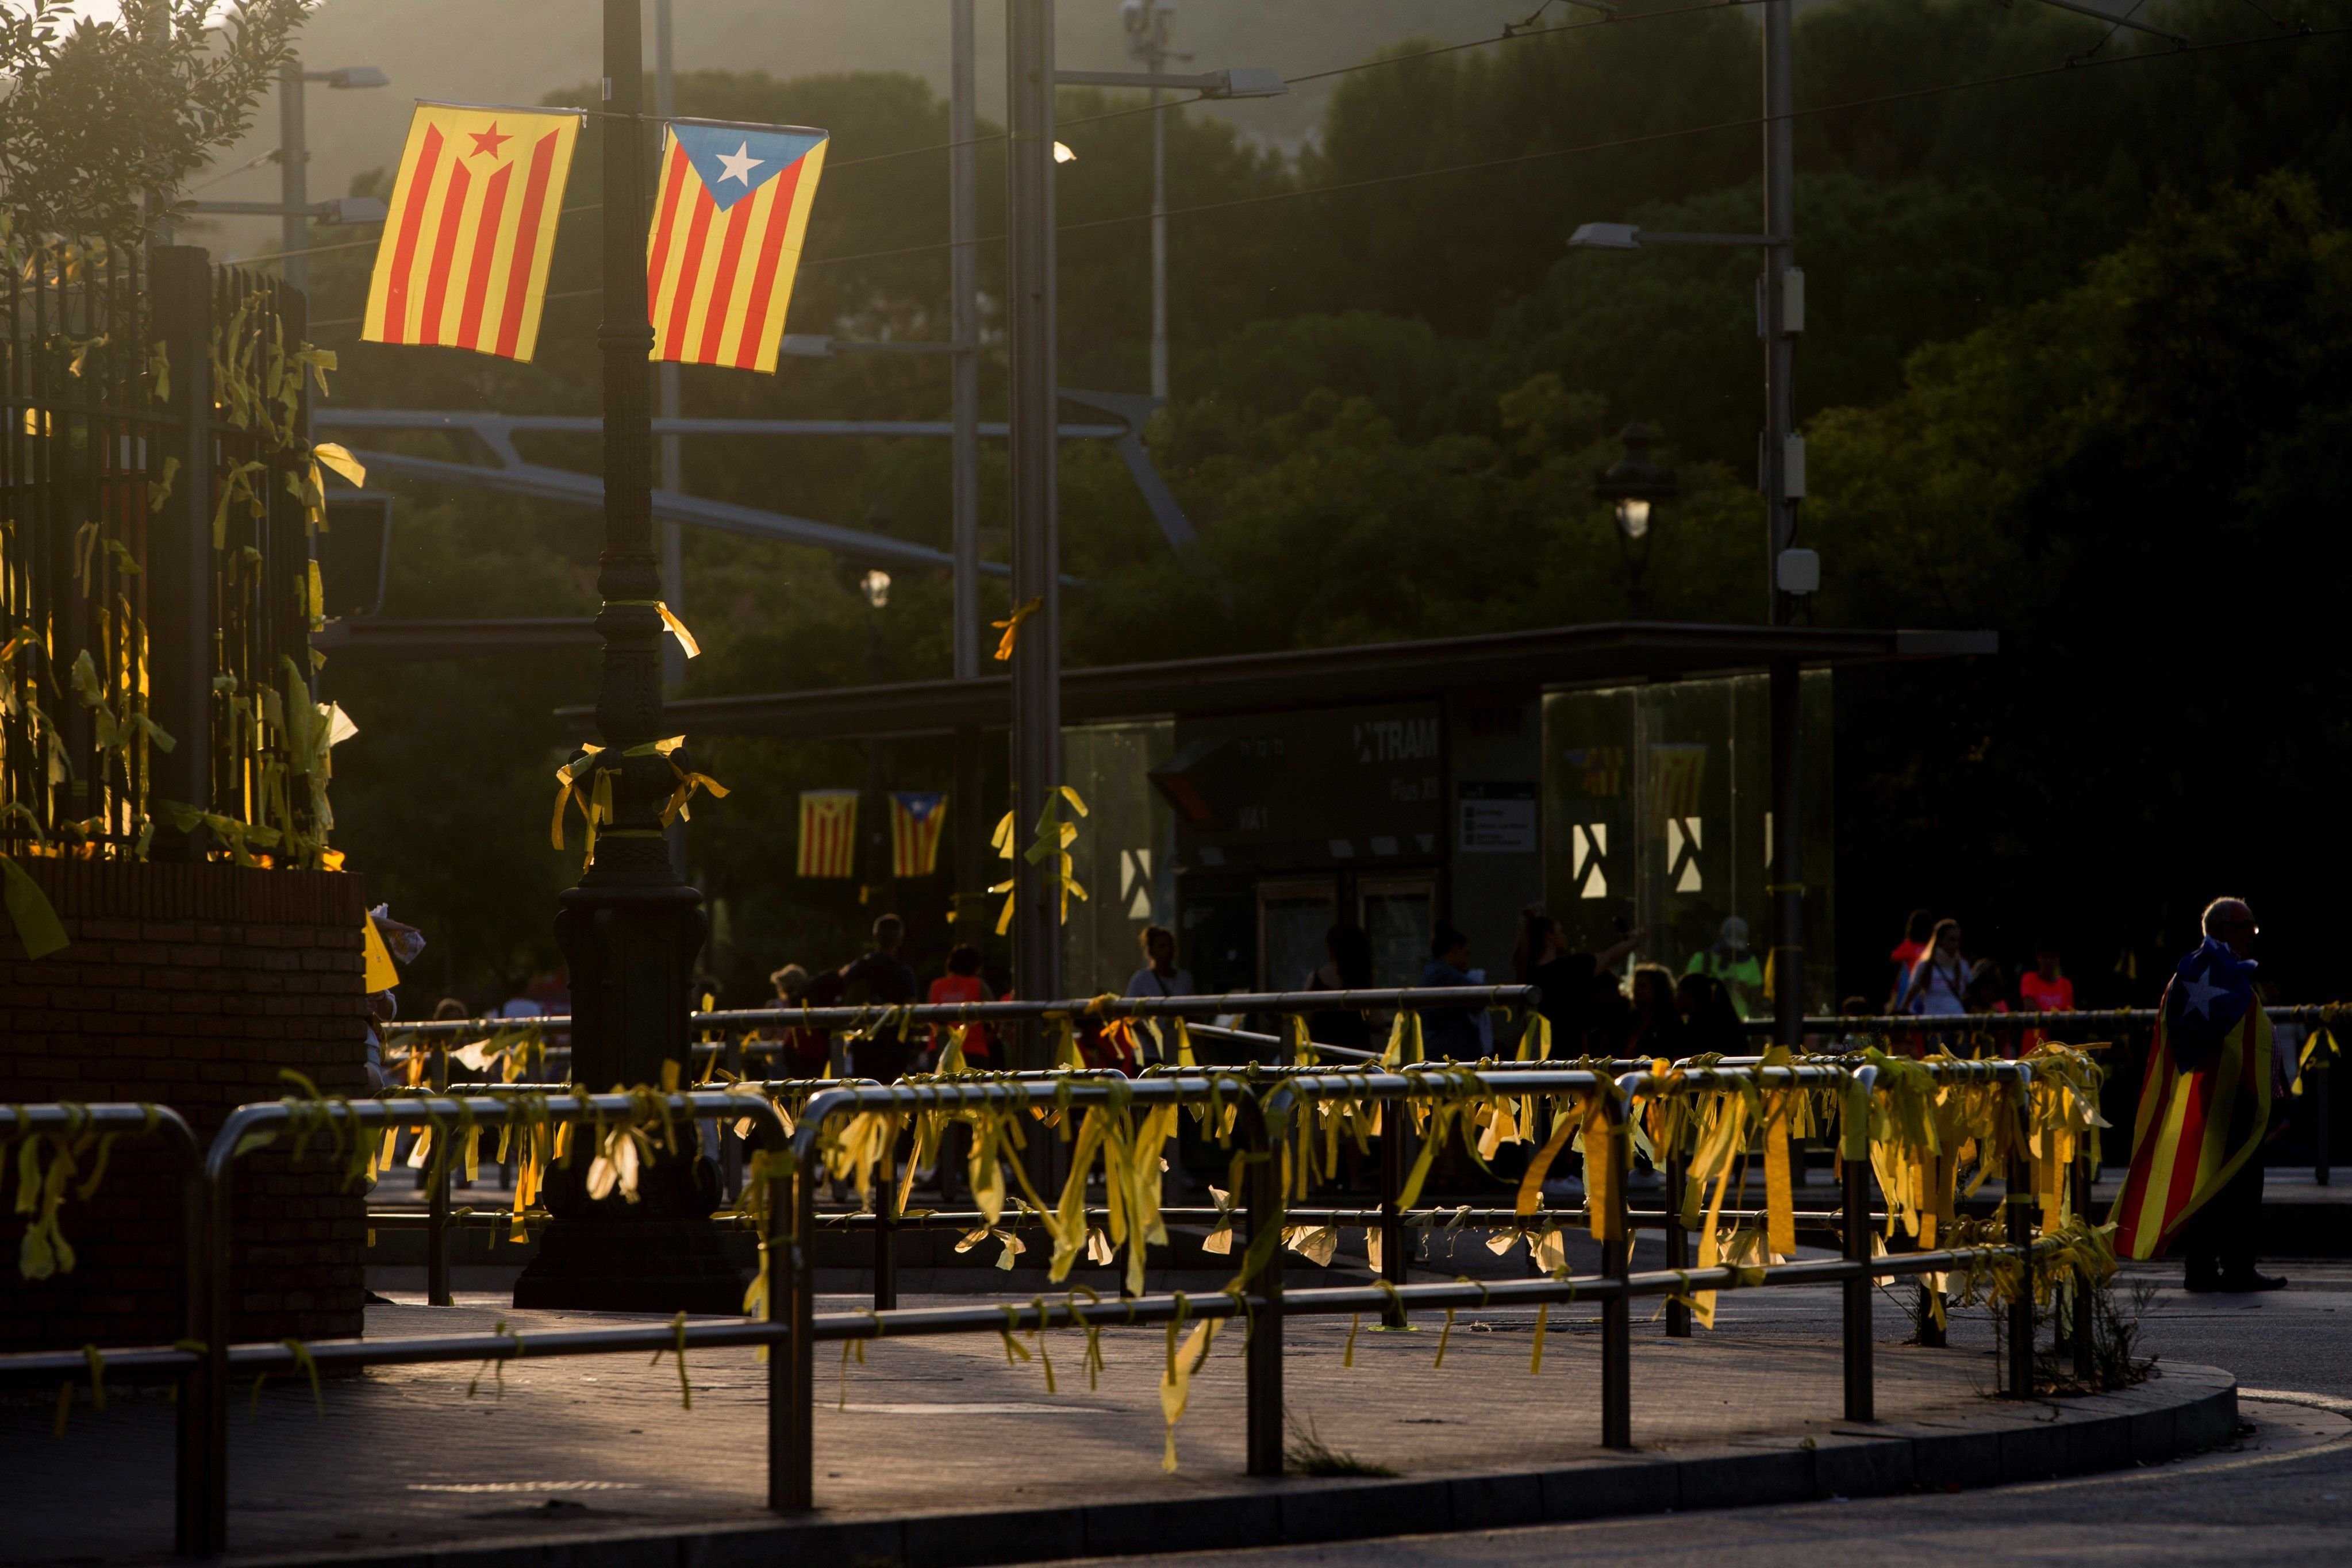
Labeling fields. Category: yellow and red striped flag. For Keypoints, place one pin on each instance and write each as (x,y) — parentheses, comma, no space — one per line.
(725,240)
(916,819)
(828,833)
(463,261)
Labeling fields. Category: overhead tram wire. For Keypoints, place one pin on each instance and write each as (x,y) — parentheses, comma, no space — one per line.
(2302,34)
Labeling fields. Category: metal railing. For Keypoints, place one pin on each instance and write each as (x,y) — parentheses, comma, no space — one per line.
(793,1224)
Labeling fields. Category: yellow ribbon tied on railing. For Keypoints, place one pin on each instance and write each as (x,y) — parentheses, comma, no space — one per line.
(1011,627)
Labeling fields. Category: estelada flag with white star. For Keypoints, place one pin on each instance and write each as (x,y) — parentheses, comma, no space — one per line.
(2205,1103)
(728,225)
(463,260)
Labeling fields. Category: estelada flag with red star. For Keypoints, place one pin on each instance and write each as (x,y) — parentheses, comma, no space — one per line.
(463,260)
(2205,1104)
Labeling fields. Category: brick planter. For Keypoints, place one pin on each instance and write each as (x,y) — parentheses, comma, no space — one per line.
(192,985)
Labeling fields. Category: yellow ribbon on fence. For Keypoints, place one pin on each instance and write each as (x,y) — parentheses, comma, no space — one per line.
(1011,627)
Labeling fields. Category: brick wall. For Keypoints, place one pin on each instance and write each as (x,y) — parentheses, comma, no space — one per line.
(192,985)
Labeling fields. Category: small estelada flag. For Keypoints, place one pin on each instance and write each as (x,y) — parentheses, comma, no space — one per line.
(463,261)
(828,833)
(725,240)
(915,823)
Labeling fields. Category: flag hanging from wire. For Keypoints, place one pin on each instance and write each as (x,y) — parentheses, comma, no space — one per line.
(725,240)
(915,823)
(463,260)
(828,833)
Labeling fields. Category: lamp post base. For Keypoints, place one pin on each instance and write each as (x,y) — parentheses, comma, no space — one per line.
(598,1263)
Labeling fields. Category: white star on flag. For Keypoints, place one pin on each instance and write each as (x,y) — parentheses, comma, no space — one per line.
(739,164)
(2202,996)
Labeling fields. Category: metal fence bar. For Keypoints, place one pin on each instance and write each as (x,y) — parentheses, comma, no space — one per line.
(1861,1378)
(2017,1201)
(193,1457)
(1263,1348)
(207,1511)
(1616,1263)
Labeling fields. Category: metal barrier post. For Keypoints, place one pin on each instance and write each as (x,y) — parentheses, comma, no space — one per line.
(2319,1086)
(886,1245)
(792,1366)
(1264,1325)
(200,1522)
(1394,1265)
(1678,1312)
(2085,1356)
(1617,1312)
(205,1425)
(437,1201)
(786,1220)
(1861,1393)
(2017,1202)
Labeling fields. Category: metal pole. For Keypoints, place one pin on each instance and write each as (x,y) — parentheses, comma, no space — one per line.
(672,459)
(1678,1316)
(791,1365)
(293,178)
(970,827)
(1861,1396)
(1781,512)
(1395,1267)
(2086,1346)
(436,1197)
(963,315)
(1036,552)
(886,1238)
(1263,1348)
(1617,1312)
(201,1416)
(1159,242)
(2321,1080)
(2017,1202)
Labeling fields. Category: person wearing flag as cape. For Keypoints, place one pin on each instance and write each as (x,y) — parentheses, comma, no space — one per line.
(2196,1176)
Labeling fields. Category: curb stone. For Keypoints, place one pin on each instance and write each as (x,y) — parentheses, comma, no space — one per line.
(2186,1410)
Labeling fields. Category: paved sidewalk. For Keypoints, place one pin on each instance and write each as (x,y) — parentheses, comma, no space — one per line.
(404,1457)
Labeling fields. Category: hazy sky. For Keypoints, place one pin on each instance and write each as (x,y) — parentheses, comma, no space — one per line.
(512,51)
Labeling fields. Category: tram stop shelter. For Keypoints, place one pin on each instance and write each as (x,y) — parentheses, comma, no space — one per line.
(1617,773)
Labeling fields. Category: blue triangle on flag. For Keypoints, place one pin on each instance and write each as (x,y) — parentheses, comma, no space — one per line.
(734,162)
(918,805)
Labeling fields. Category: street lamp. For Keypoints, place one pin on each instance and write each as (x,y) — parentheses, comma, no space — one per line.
(1634,485)
(876,587)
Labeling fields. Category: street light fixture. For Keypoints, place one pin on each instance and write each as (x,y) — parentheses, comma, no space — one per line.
(1634,484)
(876,587)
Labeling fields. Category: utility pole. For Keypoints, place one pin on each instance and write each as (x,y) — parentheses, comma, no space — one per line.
(1147,26)
(1037,553)
(1782,477)
(972,819)
(293,178)
(673,459)
(631,928)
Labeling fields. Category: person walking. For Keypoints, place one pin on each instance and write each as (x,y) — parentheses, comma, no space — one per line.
(1159,976)
(1563,978)
(1732,963)
(880,978)
(962,984)
(1710,1027)
(1350,969)
(1657,1022)
(1918,931)
(1937,986)
(2042,989)
(1448,1034)
(2196,1177)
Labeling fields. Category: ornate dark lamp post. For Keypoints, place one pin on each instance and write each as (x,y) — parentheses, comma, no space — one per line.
(1635,485)
(631,928)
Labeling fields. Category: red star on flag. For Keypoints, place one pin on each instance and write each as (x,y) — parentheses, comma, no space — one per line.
(487,142)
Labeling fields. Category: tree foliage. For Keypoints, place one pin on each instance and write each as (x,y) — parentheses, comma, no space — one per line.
(100,118)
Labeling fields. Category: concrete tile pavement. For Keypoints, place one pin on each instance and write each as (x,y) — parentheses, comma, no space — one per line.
(405,1456)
